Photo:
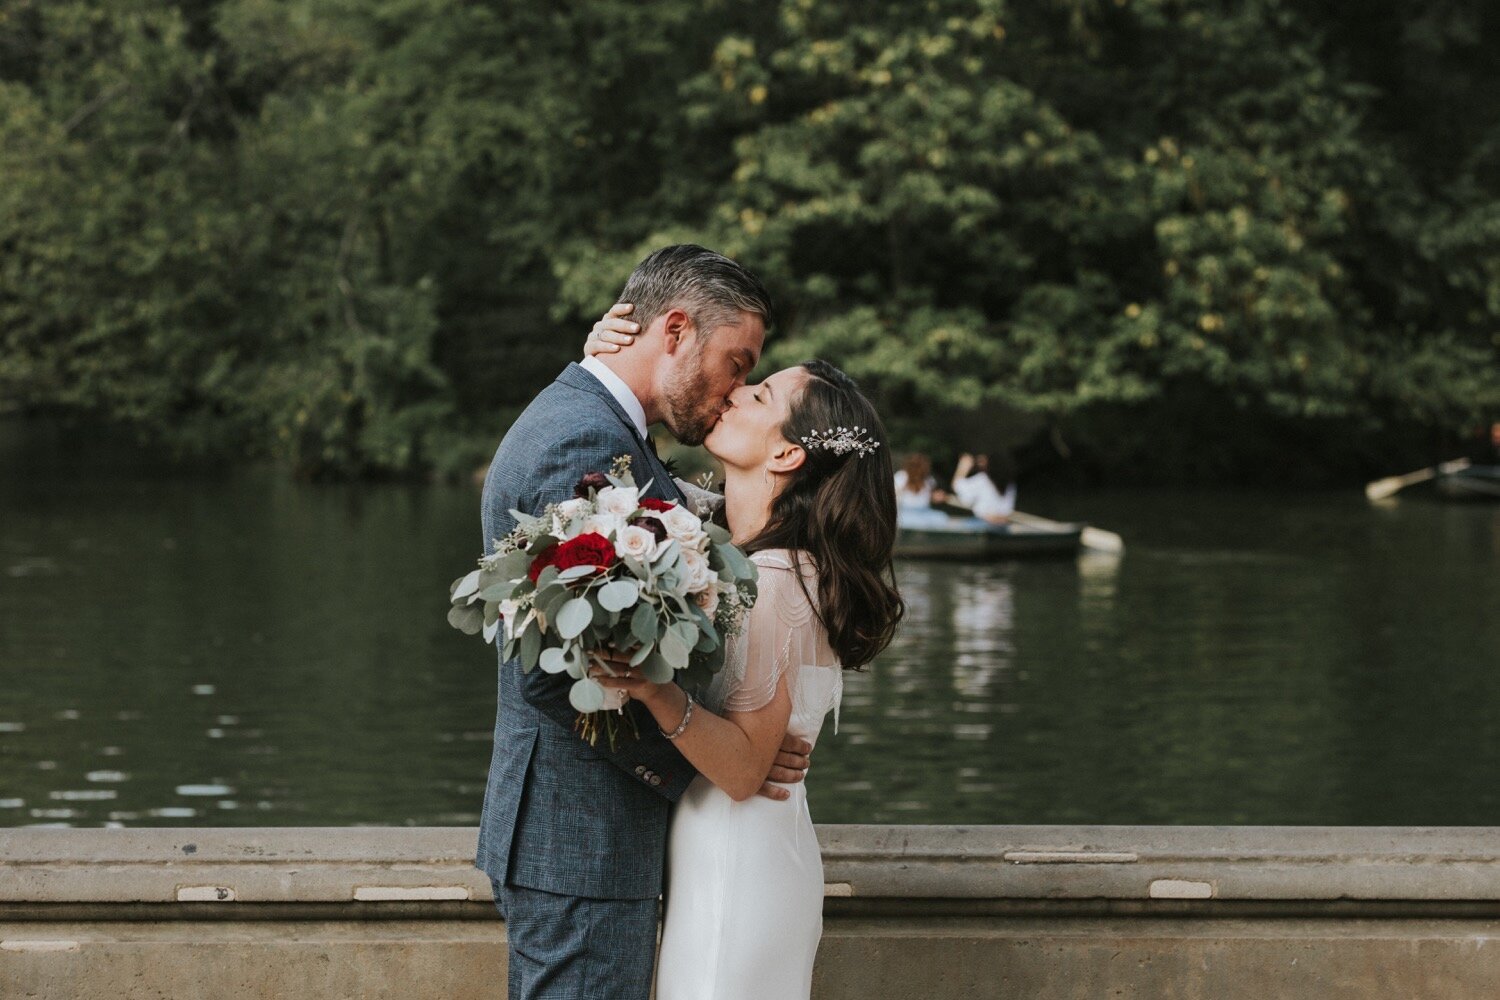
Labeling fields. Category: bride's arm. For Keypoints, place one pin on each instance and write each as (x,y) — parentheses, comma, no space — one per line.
(734,750)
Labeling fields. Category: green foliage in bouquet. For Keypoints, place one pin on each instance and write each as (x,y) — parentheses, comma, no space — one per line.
(609,570)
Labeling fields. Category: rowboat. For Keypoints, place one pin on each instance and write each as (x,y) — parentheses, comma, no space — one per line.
(1476,482)
(971,539)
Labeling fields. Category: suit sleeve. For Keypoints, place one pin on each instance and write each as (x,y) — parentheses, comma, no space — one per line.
(651,759)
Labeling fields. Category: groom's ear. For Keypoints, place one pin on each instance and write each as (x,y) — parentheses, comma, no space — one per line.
(676,328)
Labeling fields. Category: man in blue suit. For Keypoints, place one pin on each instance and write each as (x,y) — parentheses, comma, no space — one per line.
(573,836)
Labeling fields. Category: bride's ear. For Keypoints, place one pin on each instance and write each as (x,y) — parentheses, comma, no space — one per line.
(786,458)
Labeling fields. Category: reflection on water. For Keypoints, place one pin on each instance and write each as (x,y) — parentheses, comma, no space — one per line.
(245,651)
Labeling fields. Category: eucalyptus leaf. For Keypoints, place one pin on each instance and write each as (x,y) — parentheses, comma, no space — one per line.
(574,661)
(488,578)
(577,572)
(491,629)
(737,563)
(586,695)
(465,586)
(686,633)
(551,599)
(716,533)
(546,577)
(657,669)
(531,644)
(574,617)
(496,591)
(515,563)
(674,650)
(643,622)
(639,656)
(468,620)
(551,660)
(619,595)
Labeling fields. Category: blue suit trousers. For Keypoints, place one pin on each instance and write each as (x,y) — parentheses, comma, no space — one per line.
(574,948)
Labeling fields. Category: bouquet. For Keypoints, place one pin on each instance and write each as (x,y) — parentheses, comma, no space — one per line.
(609,568)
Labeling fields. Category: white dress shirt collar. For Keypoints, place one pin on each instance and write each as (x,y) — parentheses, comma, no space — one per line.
(618,389)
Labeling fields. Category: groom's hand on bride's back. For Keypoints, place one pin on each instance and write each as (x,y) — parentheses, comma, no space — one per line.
(790,767)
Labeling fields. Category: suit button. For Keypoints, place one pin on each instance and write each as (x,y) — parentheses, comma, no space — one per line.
(640,770)
(655,779)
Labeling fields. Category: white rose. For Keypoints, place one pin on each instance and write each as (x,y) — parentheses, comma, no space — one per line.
(637,543)
(619,501)
(681,523)
(699,574)
(604,524)
(707,600)
(507,609)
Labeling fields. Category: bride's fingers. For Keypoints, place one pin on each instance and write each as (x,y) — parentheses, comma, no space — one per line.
(613,330)
(609,335)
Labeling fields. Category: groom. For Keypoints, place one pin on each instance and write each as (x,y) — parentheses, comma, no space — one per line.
(573,837)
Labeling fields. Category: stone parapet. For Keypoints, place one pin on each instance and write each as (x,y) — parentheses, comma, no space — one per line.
(911,911)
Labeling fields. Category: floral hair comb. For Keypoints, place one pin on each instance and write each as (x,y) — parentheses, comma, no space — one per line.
(842,440)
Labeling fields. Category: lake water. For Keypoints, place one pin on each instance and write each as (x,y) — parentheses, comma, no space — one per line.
(246,651)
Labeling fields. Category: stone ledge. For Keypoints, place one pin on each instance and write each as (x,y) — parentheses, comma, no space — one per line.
(373,867)
(910,913)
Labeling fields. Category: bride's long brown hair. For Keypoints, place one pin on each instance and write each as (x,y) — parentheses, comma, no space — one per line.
(840,509)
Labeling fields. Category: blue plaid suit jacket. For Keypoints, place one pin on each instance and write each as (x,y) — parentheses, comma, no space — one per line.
(559,815)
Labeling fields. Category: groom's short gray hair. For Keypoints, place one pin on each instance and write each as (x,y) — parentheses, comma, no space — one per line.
(712,289)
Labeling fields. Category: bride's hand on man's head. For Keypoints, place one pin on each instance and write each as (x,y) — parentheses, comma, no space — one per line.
(613,331)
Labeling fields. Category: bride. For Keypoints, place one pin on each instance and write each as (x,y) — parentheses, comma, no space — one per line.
(808,494)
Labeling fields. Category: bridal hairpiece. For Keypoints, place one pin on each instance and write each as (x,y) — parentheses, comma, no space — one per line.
(842,440)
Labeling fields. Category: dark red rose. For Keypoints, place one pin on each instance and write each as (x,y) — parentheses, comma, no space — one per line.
(593,481)
(652,525)
(588,549)
(543,559)
(651,503)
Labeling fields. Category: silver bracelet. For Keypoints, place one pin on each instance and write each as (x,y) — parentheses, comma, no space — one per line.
(686,716)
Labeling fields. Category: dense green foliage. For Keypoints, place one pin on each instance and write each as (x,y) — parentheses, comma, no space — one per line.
(357,234)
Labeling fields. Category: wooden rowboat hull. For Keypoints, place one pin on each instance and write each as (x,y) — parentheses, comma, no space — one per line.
(975,541)
(1477,482)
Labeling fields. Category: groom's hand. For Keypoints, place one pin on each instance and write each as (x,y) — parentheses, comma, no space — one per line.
(790,767)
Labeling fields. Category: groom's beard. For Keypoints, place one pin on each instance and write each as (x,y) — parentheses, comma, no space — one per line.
(690,415)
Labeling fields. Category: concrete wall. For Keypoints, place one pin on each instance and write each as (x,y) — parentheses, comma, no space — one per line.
(929,912)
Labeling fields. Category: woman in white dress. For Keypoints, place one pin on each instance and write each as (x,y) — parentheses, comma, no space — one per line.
(809,493)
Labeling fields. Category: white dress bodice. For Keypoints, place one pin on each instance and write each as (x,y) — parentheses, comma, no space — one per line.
(782,636)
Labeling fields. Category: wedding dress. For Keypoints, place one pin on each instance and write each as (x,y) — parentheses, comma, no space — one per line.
(744,893)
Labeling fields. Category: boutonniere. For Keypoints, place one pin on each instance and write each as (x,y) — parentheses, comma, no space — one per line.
(670,464)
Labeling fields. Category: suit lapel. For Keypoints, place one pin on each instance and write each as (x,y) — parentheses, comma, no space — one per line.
(578,377)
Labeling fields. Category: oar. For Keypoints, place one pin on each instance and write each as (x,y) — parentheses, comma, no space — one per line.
(1093,538)
(1391,485)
